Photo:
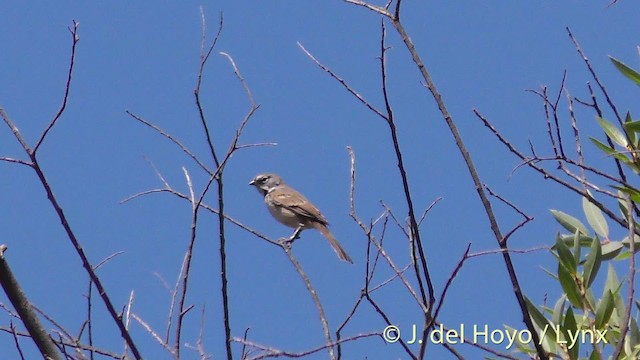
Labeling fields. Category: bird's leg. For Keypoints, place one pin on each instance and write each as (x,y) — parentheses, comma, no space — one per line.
(296,235)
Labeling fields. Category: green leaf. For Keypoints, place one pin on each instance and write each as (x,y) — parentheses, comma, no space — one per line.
(584,241)
(631,128)
(550,273)
(539,319)
(523,347)
(611,284)
(569,285)
(634,194)
(611,152)
(569,222)
(576,247)
(592,264)
(636,243)
(611,249)
(603,313)
(565,256)
(536,315)
(591,301)
(614,285)
(626,71)
(634,333)
(558,310)
(570,325)
(613,132)
(595,218)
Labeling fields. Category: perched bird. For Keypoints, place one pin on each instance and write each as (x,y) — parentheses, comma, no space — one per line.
(292,209)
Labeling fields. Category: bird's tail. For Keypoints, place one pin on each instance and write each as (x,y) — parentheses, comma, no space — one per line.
(342,254)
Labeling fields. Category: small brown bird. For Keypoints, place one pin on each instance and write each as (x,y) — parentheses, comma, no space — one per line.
(292,209)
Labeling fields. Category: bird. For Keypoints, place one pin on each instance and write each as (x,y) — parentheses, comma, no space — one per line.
(292,209)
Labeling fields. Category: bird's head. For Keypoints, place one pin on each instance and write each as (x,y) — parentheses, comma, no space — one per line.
(266,182)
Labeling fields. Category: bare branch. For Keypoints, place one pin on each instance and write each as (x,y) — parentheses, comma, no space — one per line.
(15,161)
(595,76)
(172,139)
(153,334)
(74,34)
(25,309)
(343,83)
(316,301)
(269,352)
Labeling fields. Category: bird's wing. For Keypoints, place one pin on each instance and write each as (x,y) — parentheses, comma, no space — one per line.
(291,199)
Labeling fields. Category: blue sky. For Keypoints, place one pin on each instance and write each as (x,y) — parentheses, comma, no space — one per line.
(144,58)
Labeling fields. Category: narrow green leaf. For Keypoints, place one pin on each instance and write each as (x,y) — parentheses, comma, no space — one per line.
(569,240)
(603,313)
(623,256)
(569,222)
(611,249)
(523,347)
(570,325)
(636,243)
(631,128)
(613,132)
(635,197)
(592,264)
(634,333)
(538,318)
(609,151)
(611,283)
(576,247)
(565,256)
(550,273)
(558,310)
(614,285)
(626,71)
(569,285)
(591,301)
(595,218)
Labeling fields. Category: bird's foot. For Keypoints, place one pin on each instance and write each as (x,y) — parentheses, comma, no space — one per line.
(288,241)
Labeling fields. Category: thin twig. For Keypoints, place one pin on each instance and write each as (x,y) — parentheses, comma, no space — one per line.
(74,34)
(316,301)
(343,83)
(269,352)
(512,251)
(153,334)
(172,139)
(443,295)
(595,76)
(15,161)
(576,135)
(16,341)
(195,206)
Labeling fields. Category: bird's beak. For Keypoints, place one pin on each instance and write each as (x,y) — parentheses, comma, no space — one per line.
(253,182)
